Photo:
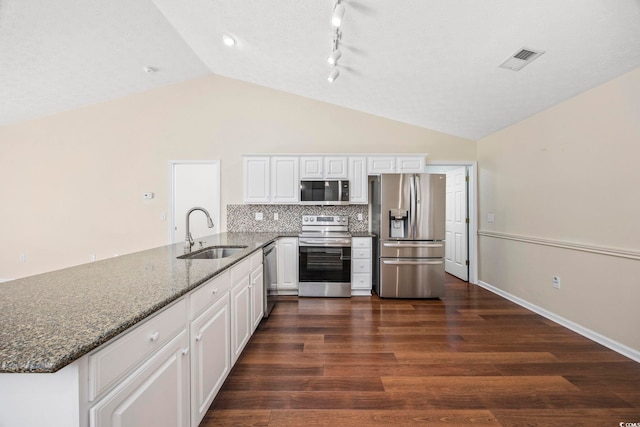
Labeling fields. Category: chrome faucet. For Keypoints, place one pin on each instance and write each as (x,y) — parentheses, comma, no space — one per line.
(188,241)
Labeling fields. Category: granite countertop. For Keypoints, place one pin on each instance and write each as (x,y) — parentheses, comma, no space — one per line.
(52,319)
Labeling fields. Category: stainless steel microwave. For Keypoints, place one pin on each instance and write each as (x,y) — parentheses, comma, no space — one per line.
(324,192)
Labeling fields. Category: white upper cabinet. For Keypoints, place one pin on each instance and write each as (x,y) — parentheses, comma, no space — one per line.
(335,167)
(358,181)
(323,167)
(255,180)
(410,164)
(395,164)
(285,185)
(311,167)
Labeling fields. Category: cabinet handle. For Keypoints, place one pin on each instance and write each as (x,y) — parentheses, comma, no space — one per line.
(185,351)
(214,291)
(154,336)
(198,337)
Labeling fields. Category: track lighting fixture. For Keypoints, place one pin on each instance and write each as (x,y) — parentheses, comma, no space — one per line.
(338,14)
(333,58)
(228,40)
(334,75)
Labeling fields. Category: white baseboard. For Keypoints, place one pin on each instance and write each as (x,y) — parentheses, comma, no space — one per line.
(588,333)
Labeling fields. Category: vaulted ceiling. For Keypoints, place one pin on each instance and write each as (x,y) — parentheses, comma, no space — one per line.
(430,63)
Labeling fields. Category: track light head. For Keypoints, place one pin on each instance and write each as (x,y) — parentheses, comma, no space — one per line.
(333,58)
(334,75)
(338,15)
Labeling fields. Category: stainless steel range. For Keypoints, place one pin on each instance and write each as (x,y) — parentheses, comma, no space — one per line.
(325,257)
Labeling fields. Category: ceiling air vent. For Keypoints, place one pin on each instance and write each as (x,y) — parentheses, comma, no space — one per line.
(521,58)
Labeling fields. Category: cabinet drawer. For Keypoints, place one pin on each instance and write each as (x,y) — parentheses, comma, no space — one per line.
(360,242)
(360,266)
(255,260)
(239,271)
(110,363)
(361,281)
(208,293)
(364,253)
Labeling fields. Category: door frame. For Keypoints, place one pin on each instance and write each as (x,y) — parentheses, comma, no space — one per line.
(472,206)
(172,219)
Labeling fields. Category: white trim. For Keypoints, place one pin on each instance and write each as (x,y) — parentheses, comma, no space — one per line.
(473,212)
(171,220)
(563,244)
(5,280)
(588,333)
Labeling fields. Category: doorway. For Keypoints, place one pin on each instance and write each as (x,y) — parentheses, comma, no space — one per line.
(194,183)
(461,253)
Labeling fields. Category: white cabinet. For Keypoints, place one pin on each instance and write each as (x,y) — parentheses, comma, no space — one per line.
(395,164)
(361,266)
(210,341)
(156,394)
(240,309)
(270,179)
(257,290)
(311,167)
(323,167)
(285,185)
(288,266)
(410,164)
(255,182)
(358,181)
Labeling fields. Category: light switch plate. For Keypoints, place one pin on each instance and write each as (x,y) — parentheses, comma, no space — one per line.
(491,217)
(259,216)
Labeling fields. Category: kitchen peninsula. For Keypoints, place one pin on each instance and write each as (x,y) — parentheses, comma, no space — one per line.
(54,322)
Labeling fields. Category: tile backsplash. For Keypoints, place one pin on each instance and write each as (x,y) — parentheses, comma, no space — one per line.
(242,218)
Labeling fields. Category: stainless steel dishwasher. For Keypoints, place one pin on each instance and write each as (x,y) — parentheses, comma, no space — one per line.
(270,262)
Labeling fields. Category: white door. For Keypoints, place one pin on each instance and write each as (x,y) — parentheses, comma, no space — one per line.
(456,224)
(195,184)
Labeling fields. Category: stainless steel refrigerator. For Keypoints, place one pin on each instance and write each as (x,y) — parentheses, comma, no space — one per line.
(408,218)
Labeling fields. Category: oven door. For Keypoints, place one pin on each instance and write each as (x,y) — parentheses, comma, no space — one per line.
(324,271)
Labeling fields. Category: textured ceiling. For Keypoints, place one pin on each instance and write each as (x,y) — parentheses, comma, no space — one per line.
(432,63)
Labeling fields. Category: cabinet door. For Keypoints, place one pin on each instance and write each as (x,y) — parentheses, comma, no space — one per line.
(311,167)
(285,185)
(156,394)
(359,191)
(410,164)
(240,317)
(335,167)
(210,356)
(288,266)
(381,164)
(255,179)
(257,297)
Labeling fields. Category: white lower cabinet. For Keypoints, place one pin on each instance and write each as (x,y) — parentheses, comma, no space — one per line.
(210,356)
(156,394)
(288,266)
(257,291)
(240,309)
(360,266)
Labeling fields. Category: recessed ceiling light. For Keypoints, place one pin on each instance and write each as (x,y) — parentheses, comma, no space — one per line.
(228,40)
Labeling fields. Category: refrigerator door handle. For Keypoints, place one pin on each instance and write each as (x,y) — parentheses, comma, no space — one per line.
(412,206)
(407,262)
(413,245)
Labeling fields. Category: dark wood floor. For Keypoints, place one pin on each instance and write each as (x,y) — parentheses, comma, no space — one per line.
(473,358)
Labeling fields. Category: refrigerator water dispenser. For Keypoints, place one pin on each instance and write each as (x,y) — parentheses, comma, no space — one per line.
(398,223)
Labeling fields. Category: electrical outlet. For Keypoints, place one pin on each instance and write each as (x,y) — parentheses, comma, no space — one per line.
(163,216)
(276,216)
(360,217)
(259,216)
(491,217)
(555,280)
(23,258)
(92,257)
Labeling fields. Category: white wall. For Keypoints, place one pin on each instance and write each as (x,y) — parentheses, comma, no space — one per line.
(71,184)
(568,177)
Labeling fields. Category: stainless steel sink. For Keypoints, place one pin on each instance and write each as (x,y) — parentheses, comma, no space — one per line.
(213,252)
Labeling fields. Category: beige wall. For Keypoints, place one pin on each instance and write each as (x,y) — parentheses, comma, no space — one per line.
(72,183)
(568,175)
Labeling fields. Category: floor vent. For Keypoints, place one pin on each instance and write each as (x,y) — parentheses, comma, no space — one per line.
(521,58)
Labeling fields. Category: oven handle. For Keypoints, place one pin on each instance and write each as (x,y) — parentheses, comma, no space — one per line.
(392,262)
(413,245)
(324,243)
